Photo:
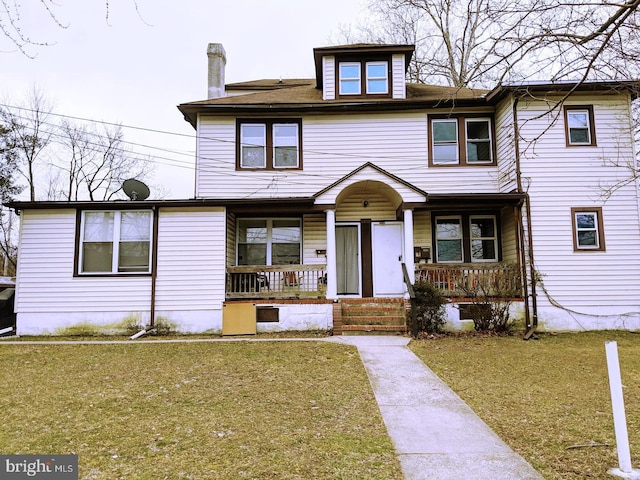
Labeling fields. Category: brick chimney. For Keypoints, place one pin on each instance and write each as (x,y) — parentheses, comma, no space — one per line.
(217,61)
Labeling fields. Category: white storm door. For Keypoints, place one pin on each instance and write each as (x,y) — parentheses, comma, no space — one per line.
(387,251)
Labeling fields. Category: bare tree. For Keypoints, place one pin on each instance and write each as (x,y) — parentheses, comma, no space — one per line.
(30,136)
(8,189)
(12,21)
(483,42)
(95,162)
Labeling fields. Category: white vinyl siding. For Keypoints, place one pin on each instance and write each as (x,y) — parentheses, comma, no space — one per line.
(45,281)
(191,259)
(398,83)
(315,238)
(190,267)
(505,146)
(395,142)
(560,178)
(328,78)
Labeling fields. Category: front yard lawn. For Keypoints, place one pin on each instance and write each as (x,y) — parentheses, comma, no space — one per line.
(548,399)
(281,410)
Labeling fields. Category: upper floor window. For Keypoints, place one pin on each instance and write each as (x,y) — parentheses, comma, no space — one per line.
(461,141)
(350,78)
(466,238)
(588,230)
(579,125)
(377,81)
(372,78)
(269,241)
(269,144)
(115,241)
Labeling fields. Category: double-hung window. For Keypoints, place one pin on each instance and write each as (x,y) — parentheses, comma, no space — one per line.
(363,77)
(445,146)
(579,125)
(269,241)
(377,81)
(484,238)
(588,230)
(449,239)
(350,81)
(269,144)
(115,242)
(461,141)
(466,238)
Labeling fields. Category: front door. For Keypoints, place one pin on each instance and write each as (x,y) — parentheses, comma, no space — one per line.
(387,251)
(348,259)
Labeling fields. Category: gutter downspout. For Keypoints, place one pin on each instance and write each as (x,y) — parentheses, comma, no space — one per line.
(531,326)
(154,277)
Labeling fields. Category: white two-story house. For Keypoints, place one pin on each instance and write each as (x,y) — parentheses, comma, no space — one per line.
(312,195)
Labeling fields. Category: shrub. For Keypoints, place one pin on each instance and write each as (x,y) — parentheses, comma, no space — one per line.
(491,298)
(429,303)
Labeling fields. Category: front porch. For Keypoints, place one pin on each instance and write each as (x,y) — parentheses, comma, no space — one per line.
(310,281)
(276,282)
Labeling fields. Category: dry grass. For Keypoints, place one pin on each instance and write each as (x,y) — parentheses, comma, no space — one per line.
(285,410)
(546,398)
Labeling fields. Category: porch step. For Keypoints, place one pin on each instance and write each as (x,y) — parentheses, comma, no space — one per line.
(370,315)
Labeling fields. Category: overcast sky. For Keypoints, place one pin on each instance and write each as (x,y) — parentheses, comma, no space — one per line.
(135,69)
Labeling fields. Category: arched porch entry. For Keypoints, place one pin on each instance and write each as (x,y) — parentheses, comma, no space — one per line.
(369,241)
(369,219)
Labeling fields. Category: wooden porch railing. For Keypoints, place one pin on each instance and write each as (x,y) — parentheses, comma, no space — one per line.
(277,281)
(461,280)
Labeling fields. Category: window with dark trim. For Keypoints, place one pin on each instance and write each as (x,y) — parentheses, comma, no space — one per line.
(363,77)
(579,126)
(588,229)
(115,241)
(269,241)
(463,238)
(459,141)
(271,144)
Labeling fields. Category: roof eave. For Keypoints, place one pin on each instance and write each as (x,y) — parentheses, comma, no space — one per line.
(499,92)
(146,204)
(190,111)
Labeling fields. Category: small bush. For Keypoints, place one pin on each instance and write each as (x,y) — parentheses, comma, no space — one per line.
(491,298)
(429,303)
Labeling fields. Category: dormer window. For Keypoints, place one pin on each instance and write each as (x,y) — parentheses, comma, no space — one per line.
(377,81)
(350,78)
(363,78)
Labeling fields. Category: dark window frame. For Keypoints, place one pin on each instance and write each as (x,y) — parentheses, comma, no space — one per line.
(461,123)
(79,242)
(591,127)
(363,61)
(269,243)
(601,247)
(269,147)
(465,223)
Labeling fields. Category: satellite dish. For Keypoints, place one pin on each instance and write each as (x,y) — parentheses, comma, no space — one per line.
(135,189)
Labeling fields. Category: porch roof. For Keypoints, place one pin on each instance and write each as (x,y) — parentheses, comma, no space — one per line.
(473,200)
(290,204)
(141,204)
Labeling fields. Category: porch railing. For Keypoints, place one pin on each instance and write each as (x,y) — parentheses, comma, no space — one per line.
(277,281)
(461,280)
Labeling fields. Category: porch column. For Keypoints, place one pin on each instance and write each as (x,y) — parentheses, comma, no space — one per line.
(332,280)
(408,243)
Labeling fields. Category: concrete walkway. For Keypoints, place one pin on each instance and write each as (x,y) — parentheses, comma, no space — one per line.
(435,434)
